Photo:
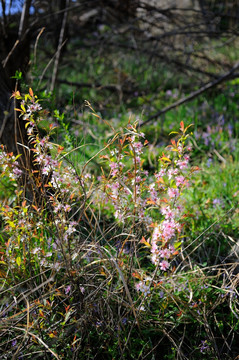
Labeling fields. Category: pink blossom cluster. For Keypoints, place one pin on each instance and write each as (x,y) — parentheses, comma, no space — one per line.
(30,107)
(134,195)
(10,165)
(123,190)
(27,225)
(141,286)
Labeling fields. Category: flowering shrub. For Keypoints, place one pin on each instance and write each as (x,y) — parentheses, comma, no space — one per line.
(31,237)
(150,203)
(92,265)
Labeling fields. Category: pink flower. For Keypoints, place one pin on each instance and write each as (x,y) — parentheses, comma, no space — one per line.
(179,180)
(67,289)
(164,265)
(172,192)
(160,174)
(141,286)
(179,208)
(138,286)
(165,253)
(156,234)
(115,186)
(154,248)
(171,249)
(137,147)
(172,172)
(58,208)
(168,229)
(34,107)
(16,171)
(180,149)
(46,170)
(119,215)
(182,163)
(153,194)
(114,172)
(113,165)
(43,141)
(167,212)
(154,259)
(67,208)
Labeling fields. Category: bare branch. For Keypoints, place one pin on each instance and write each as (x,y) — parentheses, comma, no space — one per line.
(24,18)
(61,40)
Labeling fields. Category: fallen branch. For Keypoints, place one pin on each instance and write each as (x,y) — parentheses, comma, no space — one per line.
(89,85)
(193,95)
(97,86)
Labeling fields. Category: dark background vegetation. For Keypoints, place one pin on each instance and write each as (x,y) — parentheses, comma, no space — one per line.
(145,57)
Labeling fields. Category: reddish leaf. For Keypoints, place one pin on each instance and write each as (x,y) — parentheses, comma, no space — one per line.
(67,308)
(181,126)
(151,202)
(60,148)
(136,275)
(179,314)
(143,241)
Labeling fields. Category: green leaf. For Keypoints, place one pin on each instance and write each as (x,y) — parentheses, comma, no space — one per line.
(173,132)
(11,224)
(23,108)
(18,261)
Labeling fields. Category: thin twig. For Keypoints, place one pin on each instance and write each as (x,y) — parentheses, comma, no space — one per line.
(4,123)
(24,18)
(47,66)
(58,53)
(36,43)
(4,63)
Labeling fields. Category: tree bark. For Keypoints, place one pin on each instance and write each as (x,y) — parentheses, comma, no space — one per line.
(8,134)
(14,137)
(13,133)
(14,55)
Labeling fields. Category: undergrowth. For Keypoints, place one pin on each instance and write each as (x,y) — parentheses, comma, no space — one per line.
(103,265)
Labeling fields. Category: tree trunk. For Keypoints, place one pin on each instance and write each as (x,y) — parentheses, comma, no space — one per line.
(13,133)
(12,129)
(14,137)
